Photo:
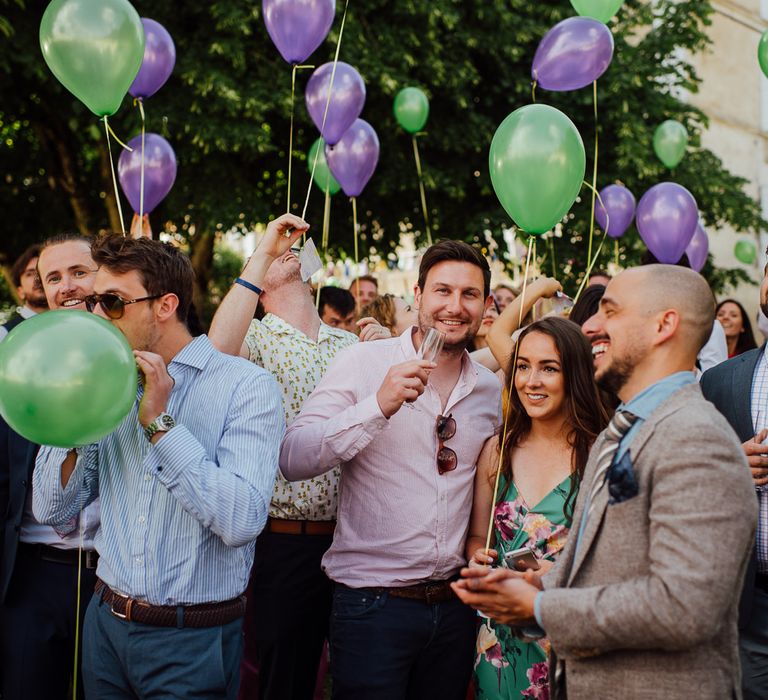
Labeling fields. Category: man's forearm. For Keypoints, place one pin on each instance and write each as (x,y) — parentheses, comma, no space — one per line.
(235,313)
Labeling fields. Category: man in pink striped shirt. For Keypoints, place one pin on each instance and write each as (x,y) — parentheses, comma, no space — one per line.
(407,434)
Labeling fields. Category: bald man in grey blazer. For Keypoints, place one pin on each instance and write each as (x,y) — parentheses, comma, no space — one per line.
(643,600)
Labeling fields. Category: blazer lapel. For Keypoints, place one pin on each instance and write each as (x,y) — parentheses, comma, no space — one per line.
(595,520)
(743,374)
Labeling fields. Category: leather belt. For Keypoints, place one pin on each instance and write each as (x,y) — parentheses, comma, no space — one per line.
(301,527)
(429,592)
(205,615)
(57,555)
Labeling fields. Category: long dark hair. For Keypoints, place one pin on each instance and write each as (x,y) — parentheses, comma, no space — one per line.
(746,339)
(585,414)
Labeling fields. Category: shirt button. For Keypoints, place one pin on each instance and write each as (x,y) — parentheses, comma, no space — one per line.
(141,518)
(139,561)
(147,477)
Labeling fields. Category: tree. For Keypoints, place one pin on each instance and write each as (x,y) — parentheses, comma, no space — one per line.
(226,110)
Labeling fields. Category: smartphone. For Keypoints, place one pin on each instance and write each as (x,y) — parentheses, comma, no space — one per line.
(521,559)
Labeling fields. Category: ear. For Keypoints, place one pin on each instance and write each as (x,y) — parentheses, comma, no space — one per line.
(489,301)
(416,296)
(165,306)
(667,324)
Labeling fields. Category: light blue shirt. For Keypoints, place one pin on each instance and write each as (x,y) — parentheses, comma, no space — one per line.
(642,405)
(179,518)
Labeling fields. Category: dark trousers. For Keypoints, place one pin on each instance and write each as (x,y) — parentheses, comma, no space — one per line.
(128,660)
(289,605)
(37,623)
(753,649)
(386,648)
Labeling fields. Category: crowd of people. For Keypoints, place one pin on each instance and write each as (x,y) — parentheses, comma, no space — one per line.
(573,505)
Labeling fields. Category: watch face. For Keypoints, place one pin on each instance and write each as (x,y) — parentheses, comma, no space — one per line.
(167,422)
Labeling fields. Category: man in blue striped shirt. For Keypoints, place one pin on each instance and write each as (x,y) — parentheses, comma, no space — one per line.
(185,483)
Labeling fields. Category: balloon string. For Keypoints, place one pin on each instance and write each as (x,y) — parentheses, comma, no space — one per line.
(290,138)
(503,442)
(534,261)
(552,253)
(141,195)
(354,224)
(616,252)
(594,177)
(422,191)
(108,130)
(533,92)
(75,664)
(327,105)
(591,263)
(326,217)
(114,136)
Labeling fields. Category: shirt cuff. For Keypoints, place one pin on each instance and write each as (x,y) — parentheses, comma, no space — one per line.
(537,609)
(172,454)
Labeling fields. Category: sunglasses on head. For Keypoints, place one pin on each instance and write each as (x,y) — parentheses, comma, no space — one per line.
(112,304)
(447,460)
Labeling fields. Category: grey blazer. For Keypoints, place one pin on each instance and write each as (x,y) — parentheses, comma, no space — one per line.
(647,607)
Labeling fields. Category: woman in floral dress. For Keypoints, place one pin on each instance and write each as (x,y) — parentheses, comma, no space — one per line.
(554,417)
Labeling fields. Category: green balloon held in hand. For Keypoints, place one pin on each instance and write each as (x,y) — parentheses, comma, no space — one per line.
(745,252)
(323,177)
(411,109)
(95,48)
(762,53)
(601,10)
(670,141)
(537,164)
(67,378)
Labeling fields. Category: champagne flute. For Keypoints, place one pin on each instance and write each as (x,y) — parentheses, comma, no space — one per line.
(430,348)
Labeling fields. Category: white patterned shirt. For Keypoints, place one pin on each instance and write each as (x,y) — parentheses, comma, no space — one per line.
(298,363)
(759,404)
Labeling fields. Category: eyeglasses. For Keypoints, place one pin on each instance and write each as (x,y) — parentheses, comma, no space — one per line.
(112,304)
(446,457)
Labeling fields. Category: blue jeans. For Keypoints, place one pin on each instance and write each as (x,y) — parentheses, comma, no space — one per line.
(128,660)
(386,648)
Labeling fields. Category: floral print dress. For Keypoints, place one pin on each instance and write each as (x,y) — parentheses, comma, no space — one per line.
(506,666)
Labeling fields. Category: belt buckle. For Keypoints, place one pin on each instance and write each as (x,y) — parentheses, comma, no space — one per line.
(90,559)
(122,616)
(432,589)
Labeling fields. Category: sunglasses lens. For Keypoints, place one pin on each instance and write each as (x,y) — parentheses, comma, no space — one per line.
(446,427)
(112,305)
(446,460)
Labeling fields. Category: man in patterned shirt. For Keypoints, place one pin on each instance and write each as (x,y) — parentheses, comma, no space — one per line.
(290,596)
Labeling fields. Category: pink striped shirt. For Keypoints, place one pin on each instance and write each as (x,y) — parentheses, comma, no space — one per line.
(399,521)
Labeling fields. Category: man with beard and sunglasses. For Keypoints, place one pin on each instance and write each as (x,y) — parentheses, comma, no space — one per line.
(643,600)
(739,390)
(407,434)
(41,565)
(184,484)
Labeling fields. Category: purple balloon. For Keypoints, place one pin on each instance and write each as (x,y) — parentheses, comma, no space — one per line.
(159,60)
(298,27)
(617,210)
(159,171)
(347,99)
(574,53)
(353,159)
(666,218)
(698,248)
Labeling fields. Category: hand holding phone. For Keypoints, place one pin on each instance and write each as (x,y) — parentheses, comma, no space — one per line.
(521,559)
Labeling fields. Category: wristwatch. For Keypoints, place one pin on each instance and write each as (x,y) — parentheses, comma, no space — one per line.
(162,424)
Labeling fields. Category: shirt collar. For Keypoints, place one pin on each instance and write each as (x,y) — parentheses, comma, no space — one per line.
(650,398)
(25,312)
(277,325)
(196,353)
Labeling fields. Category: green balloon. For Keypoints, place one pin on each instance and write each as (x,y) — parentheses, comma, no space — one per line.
(95,48)
(323,177)
(411,109)
(601,10)
(762,53)
(67,378)
(537,165)
(745,252)
(670,141)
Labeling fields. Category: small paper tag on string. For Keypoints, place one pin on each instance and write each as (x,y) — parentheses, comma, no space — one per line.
(309,260)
